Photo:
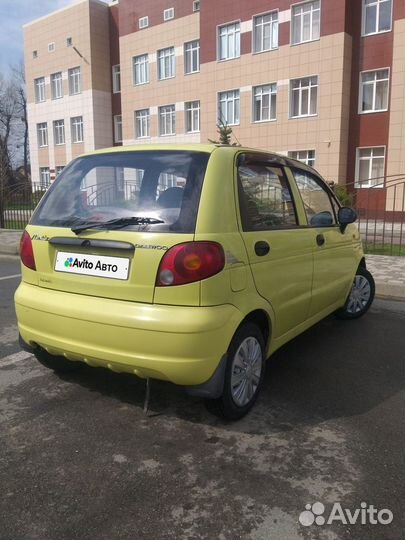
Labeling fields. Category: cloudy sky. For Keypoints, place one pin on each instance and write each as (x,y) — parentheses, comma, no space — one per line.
(13,14)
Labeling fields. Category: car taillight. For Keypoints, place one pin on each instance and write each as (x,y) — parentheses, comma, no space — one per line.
(26,251)
(193,261)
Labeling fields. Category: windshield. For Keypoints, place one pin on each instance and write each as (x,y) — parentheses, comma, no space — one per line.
(163,186)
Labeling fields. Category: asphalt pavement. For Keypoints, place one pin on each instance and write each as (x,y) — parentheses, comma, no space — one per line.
(80,460)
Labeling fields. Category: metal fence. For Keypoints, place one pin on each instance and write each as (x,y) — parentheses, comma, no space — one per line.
(380,208)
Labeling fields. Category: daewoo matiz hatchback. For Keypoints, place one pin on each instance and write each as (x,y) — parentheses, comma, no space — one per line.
(190,264)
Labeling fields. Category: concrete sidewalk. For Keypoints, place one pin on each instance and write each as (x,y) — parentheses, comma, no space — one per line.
(388,272)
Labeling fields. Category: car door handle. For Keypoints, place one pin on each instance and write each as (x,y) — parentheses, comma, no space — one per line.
(320,239)
(262,248)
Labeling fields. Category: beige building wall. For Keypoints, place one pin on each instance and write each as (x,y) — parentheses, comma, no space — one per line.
(157,93)
(86,23)
(396,146)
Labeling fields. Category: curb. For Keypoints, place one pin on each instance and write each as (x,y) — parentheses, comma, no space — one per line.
(391,292)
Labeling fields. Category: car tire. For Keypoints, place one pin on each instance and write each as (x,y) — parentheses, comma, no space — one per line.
(59,364)
(243,374)
(360,298)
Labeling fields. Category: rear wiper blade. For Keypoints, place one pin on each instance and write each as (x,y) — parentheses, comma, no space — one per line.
(117,223)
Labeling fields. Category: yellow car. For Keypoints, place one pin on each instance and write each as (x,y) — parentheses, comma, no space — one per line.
(187,263)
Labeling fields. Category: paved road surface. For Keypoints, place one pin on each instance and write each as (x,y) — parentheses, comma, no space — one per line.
(79,460)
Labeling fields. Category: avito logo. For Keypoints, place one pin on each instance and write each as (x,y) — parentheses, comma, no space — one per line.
(84,263)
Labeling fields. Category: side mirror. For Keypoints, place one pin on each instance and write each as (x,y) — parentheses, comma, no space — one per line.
(346,216)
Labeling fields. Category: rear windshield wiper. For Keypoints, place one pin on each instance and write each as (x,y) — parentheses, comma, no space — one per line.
(117,223)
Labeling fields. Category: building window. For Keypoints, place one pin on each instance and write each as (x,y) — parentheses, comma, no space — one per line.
(141,69)
(118,128)
(59,132)
(166,63)
(167,120)
(374,90)
(142,123)
(69,42)
(168,14)
(377,16)
(42,134)
(57,85)
(264,103)
(229,41)
(39,89)
(116,79)
(192,56)
(192,109)
(304,97)
(306,22)
(74,81)
(143,22)
(265,32)
(306,156)
(44,178)
(51,47)
(58,170)
(34,54)
(370,165)
(196,5)
(76,124)
(229,107)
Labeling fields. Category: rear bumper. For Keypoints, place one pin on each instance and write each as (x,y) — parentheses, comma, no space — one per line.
(181,344)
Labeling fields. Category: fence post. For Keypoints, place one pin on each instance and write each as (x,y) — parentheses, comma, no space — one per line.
(2,194)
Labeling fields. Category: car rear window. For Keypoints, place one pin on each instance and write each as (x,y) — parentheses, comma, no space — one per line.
(165,185)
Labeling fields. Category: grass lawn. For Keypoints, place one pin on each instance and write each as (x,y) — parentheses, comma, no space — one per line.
(384,249)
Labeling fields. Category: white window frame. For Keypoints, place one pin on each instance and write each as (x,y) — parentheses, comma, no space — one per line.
(140,64)
(75,80)
(370,184)
(167,114)
(310,161)
(233,32)
(117,120)
(363,18)
(51,47)
(58,170)
(270,93)
(76,127)
(271,24)
(312,38)
(168,14)
(374,84)
(196,6)
(57,85)
(142,121)
(42,134)
(44,172)
(40,90)
(143,22)
(116,78)
(189,49)
(236,106)
(169,70)
(190,108)
(59,132)
(291,101)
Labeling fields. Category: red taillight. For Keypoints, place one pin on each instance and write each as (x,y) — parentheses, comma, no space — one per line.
(26,251)
(190,262)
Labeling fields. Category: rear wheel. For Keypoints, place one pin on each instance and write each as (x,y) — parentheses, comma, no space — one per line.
(243,375)
(361,296)
(59,364)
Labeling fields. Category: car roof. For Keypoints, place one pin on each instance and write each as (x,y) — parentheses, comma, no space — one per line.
(207,148)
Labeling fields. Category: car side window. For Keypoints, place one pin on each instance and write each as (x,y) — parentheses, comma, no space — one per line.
(317,202)
(265,199)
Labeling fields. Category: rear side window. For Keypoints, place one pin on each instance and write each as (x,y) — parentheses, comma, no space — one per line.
(161,184)
(317,201)
(265,199)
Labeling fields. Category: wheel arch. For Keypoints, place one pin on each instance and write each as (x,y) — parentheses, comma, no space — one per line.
(260,318)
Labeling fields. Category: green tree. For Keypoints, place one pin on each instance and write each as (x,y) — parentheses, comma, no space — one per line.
(225,135)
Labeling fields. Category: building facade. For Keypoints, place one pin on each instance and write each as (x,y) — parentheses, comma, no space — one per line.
(320,80)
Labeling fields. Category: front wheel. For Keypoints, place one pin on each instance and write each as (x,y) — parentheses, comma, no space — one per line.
(361,296)
(243,375)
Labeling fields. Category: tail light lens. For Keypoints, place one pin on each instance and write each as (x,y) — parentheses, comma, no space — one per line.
(26,251)
(193,261)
